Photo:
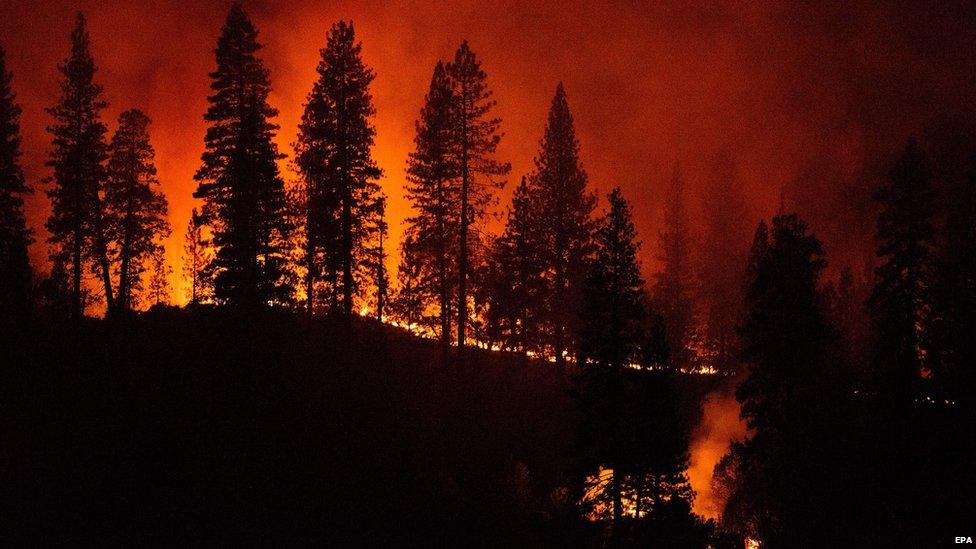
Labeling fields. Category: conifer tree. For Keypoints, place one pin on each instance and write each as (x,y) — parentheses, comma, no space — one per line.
(564,211)
(433,188)
(15,237)
(333,154)
(244,196)
(476,137)
(792,388)
(516,277)
(610,340)
(197,255)
(159,278)
(955,294)
(674,289)
(135,210)
(77,157)
(724,253)
(408,305)
(901,296)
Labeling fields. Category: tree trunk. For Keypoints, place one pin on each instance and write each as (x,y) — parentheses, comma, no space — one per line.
(442,269)
(463,255)
(76,275)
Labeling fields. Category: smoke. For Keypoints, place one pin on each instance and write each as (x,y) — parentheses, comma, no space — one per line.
(810,99)
(720,425)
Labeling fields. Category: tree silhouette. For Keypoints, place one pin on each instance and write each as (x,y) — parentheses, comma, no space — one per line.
(77,157)
(674,288)
(159,278)
(433,189)
(135,210)
(565,207)
(954,299)
(901,296)
(613,301)
(476,137)
(408,305)
(793,392)
(516,286)
(197,255)
(724,250)
(244,197)
(15,237)
(333,155)
(611,337)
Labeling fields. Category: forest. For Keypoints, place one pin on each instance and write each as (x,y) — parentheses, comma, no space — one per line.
(517,363)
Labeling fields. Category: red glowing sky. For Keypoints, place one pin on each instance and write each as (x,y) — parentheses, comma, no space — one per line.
(808,100)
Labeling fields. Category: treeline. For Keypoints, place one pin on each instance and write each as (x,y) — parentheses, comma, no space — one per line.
(320,244)
(846,451)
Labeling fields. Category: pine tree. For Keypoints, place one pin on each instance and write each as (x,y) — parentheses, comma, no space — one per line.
(613,297)
(792,389)
(15,237)
(135,209)
(516,281)
(197,255)
(244,197)
(77,157)
(379,263)
(565,208)
(901,296)
(674,290)
(955,294)
(724,250)
(433,189)
(610,340)
(333,154)
(476,137)
(159,278)
(408,304)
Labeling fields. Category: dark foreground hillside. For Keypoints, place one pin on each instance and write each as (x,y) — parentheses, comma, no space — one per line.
(207,427)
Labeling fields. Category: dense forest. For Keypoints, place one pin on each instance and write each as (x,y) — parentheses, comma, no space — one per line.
(535,385)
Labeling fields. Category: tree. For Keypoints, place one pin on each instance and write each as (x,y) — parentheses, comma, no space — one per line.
(333,155)
(954,299)
(674,285)
(724,251)
(77,157)
(197,255)
(901,296)
(476,138)
(433,188)
(15,237)
(565,207)
(794,392)
(408,304)
(611,335)
(613,298)
(135,210)
(159,278)
(516,282)
(244,197)
(379,263)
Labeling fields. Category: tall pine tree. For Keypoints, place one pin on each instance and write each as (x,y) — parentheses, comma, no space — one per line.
(901,296)
(674,289)
(244,196)
(334,155)
(476,137)
(564,225)
(434,191)
(77,157)
(135,209)
(15,237)
(793,390)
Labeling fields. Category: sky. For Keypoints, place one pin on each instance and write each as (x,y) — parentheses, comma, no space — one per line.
(811,100)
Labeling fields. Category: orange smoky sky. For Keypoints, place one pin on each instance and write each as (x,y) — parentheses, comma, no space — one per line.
(809,100)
